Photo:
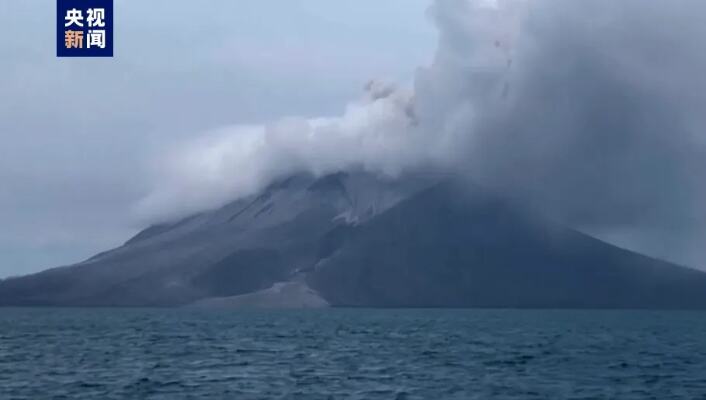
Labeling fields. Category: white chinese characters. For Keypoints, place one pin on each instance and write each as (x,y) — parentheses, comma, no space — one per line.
(96,38)
(96,17)
(73,17)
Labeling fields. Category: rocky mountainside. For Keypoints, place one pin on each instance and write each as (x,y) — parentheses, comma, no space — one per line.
(242,247)
(354,239)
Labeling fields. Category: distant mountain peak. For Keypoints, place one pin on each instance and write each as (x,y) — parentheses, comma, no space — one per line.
(360,239)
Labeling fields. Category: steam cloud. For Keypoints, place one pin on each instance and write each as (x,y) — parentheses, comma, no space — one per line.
(592,111)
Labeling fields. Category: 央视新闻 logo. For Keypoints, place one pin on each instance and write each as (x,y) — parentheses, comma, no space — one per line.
(84,28)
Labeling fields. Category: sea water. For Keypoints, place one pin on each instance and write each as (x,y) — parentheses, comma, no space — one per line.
(351,354)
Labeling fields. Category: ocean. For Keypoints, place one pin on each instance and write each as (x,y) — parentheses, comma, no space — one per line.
(351,354)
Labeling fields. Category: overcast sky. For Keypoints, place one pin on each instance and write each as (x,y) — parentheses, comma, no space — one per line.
(76,135)
(591,112)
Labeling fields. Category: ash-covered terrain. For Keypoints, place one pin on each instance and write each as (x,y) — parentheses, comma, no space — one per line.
(356,239)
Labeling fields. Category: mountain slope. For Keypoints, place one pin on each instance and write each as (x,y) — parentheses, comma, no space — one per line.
(245,246)
(360,240)
(451,247)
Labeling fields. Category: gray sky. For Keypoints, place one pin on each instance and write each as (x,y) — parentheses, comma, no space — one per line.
(590,111)
(77,135)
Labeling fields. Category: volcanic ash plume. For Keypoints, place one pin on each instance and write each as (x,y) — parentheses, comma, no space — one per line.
(590,111)
(389,130)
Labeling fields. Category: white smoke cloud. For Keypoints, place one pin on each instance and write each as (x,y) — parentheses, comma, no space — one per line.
(591,110)
(387,131)
(375,133)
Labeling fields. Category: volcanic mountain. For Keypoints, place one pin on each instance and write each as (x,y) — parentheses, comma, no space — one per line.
(356,239)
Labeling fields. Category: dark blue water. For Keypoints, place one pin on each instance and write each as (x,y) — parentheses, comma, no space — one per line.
(351,354)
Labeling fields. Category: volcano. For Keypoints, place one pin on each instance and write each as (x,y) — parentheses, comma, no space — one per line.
(360,240)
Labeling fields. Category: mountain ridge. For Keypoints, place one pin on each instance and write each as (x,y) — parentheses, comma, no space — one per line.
(357,239)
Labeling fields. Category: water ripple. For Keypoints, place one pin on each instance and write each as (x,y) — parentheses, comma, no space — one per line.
(351,354)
